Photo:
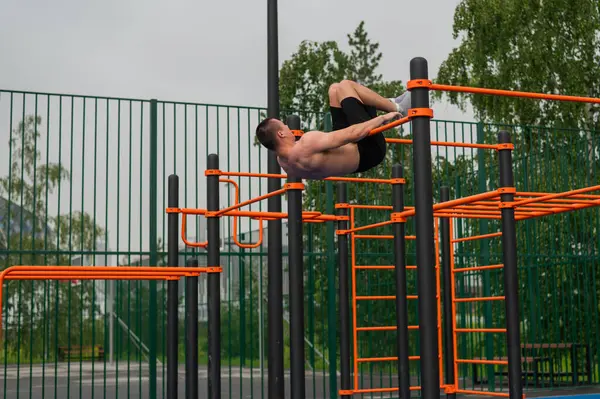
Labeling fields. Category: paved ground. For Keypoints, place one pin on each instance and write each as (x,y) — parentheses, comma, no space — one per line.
(72,382)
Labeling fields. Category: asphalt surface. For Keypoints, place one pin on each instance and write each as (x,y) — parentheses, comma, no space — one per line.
(82,383)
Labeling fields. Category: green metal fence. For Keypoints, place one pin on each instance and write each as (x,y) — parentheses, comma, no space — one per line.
(83,181)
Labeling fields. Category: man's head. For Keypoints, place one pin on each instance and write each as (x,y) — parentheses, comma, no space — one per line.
(271,132)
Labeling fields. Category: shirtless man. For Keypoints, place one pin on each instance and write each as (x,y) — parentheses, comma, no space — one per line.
(348,148)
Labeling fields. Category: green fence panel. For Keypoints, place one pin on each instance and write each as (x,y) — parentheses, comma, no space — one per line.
(83,182)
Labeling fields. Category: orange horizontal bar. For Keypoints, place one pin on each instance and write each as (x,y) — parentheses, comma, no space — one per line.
(384,328)
(358,180)
(479,237)
(382,390)
(372,237)
(69,277)
(482,330)
(107,269)
(484,393)
(374,207)
(445,144)
(381,297)
(383,359)
(363,267)
(481,299)
(382,237)
(477,268)
(513,93)
(471,361)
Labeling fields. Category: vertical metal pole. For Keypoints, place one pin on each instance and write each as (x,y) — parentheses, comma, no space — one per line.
(153,237)
(430,380)
(345,382)
(296,275)
(172,288)
(274,239)
(191,333)
(213,282)
(331,276)
(447,309)
(511,282)
(401,290)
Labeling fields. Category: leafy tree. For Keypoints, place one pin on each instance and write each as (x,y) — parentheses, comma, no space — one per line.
(546,47)
(526,46)
(41,312)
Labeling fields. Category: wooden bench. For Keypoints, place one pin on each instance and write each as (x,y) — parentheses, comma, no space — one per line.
(573,349)
(95,352)
(532,368)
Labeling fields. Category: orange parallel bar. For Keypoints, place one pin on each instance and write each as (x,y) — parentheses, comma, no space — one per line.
(359,180)
(478,268)
(478,237)
(496,362)
(445,144)
(363,267)
(483,330)
(577,196)
(513,93)
(452,203)
(481,299)
(483,393)
(558,195)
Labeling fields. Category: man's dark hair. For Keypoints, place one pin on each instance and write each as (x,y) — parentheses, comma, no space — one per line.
(266,132)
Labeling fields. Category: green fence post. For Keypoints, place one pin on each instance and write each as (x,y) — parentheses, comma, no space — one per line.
(485,260)
(331,290)
(153,227)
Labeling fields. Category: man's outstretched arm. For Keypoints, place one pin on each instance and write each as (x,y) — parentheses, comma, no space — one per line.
(351,134)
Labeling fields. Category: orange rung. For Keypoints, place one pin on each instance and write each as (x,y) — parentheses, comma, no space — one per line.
(384,328)
(482,330)
(376,267)
(384,359)
(483,393)
(446,144)
(473,361)
(480,299)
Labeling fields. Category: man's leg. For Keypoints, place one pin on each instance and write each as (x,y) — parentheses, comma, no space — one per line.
(338,117)
(370,98)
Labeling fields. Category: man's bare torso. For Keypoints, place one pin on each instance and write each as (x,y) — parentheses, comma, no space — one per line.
(303,162)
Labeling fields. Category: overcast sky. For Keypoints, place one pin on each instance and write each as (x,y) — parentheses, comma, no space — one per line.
(182,50)
(200,51)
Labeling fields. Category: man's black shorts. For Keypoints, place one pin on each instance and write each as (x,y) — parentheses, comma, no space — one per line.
(372,148)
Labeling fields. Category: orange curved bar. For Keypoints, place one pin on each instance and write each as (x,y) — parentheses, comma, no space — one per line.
(513,93)
(260,223)
(184,235)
